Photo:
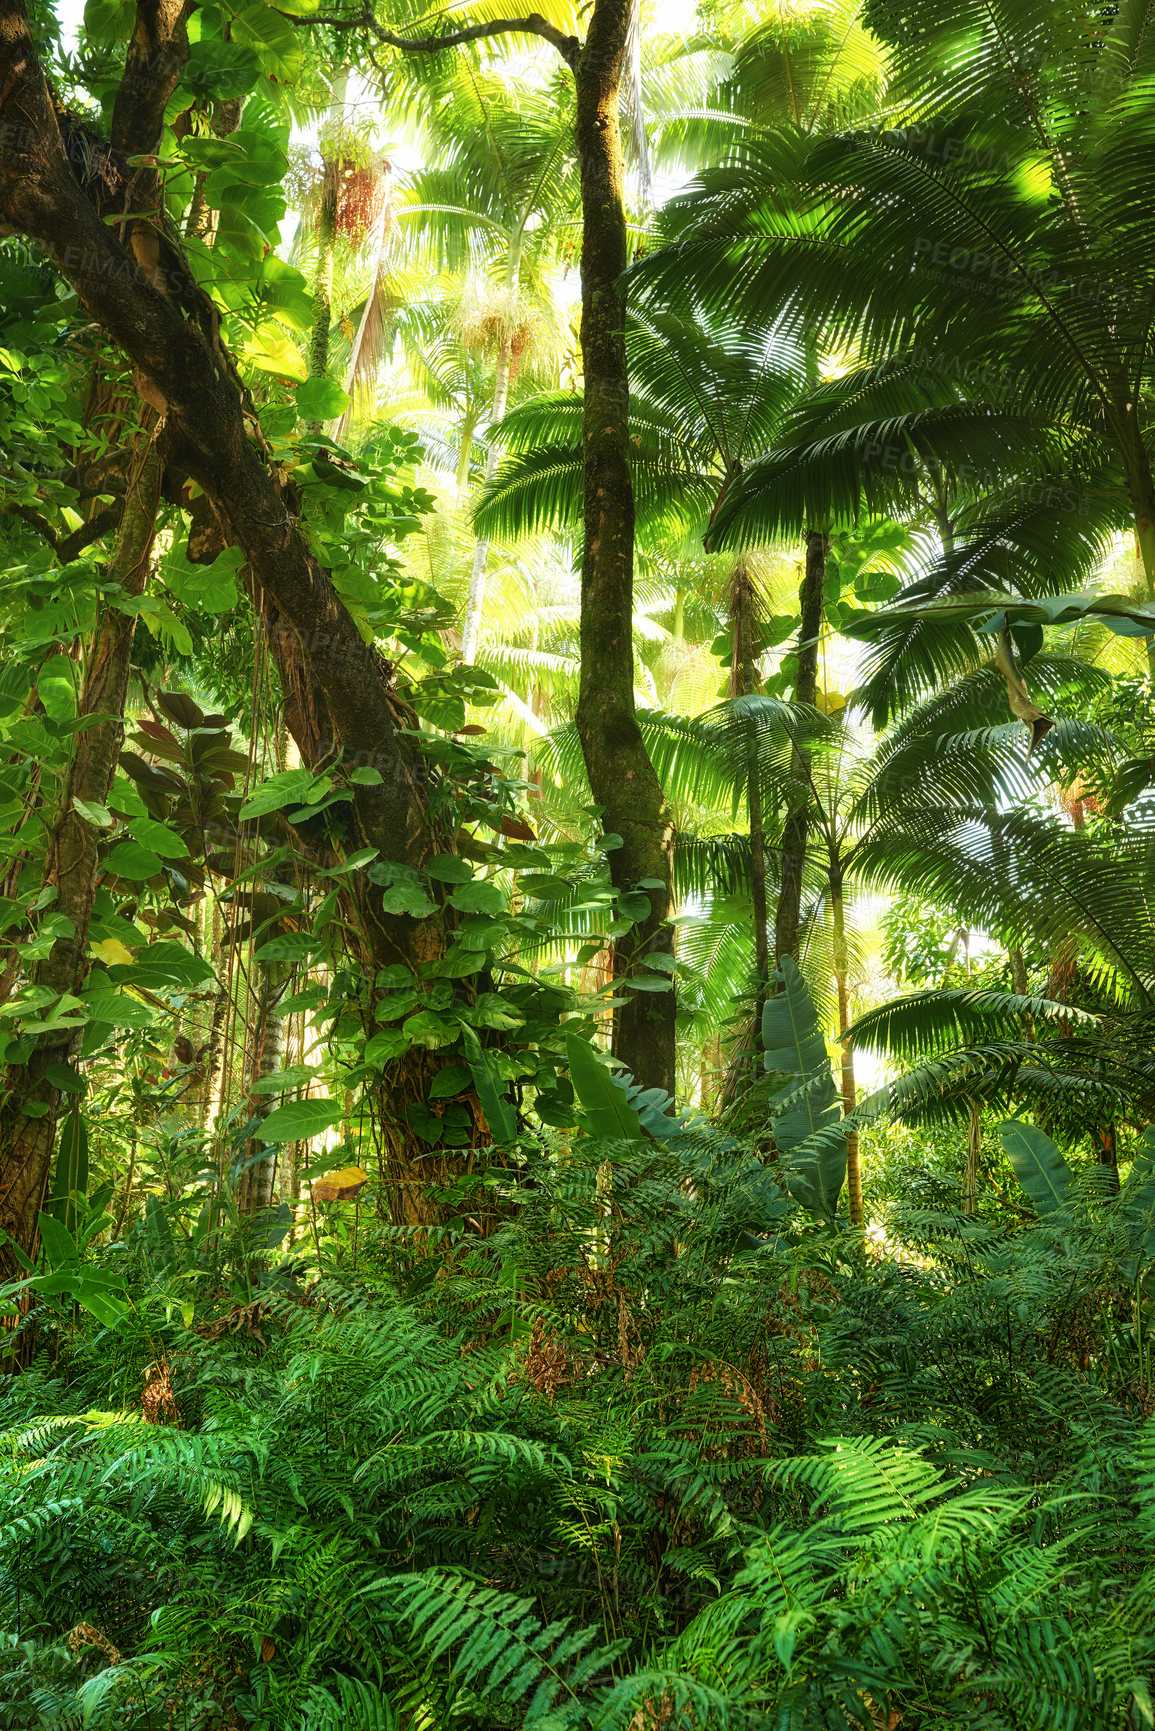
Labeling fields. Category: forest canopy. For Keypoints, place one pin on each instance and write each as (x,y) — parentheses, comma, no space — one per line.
(577,866)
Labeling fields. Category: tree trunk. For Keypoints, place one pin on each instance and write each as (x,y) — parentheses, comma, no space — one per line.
(788,921)
(1141,486)
(974,1147)
(256,1187)
(621,776)
(849,1089)
(744,682)
(70,866)
(475,605)
(327,234)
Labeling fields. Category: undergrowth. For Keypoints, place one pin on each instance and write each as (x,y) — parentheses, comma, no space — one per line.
(656,1453)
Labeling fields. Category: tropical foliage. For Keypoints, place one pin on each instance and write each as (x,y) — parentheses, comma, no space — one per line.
(577,875)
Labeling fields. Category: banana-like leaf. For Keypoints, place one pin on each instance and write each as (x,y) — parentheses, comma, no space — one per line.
(71,1173)
(992,610)
(499,1114)
(805,1113)
(795,1047)
(606,1106)
(1039,1167)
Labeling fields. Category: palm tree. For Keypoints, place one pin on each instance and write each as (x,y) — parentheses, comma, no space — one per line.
(996,222)
(499,206)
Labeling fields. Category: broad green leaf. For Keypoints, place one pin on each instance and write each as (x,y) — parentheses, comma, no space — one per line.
(128,859)
(1038,1164)
(320,399)
(449,1081)
(299,1121)
(117,1010)
(406,898)
(59,1245)
(290,787)
(157,838)
(283,1080)
(448,869)
(71,1172)
(478,898)
(498,1109)
(605,1104)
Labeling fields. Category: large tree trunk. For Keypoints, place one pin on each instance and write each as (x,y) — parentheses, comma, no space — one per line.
(788,920)
(133,284)
(70,866)
(621,776)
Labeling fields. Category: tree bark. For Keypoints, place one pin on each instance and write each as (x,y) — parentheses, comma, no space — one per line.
(621,776)
(744,682)
(132,282)
(788,920)
(849,1088)
(256,1187)
(70,867)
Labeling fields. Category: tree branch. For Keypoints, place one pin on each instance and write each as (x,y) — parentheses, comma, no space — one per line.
(68,547)
(533,24)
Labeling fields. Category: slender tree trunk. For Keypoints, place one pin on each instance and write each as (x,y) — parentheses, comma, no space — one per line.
(70,866)
(849,1089)
(621,776)
(974,1148)
(256,1186)
(744,682)
(788,921)
(1141,486)
(465,455)
(327,234)
(475,605)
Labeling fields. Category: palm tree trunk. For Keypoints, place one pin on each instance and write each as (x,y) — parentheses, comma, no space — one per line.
(475,604)
(849,1088)
(70,866)
(788,921)
(621,776)
(744,682)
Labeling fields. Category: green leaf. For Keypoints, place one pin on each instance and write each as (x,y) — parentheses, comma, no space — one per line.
(320,399)
(59,1245)
(406,898)
(117,1010)
(71,1172)
(449,1081)
(389,1043)
(604,1103)
(290,787)
(98,815)
(129,860)
(447,869)
(499,1113)
(157,838)
(427,1028)
(634,906)
(1038,1164)
(299,1121)
(283,1080)
(478,898)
